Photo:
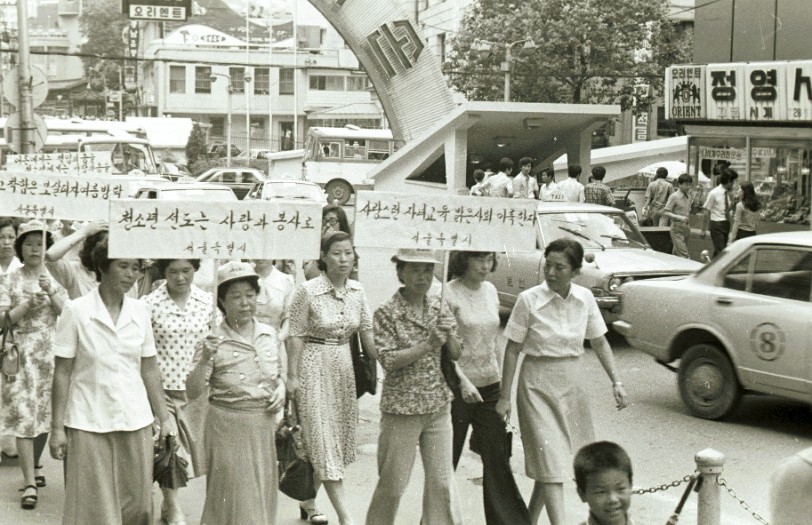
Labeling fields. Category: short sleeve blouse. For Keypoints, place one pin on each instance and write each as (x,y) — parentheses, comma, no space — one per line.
(319,310)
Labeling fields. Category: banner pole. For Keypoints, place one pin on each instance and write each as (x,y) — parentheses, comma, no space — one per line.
(213,319)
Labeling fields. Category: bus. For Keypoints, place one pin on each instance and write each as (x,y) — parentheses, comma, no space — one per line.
(338,159)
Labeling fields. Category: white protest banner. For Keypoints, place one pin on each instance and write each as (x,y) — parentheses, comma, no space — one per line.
(444,222)
(46,196)
(64,163)
(214,230)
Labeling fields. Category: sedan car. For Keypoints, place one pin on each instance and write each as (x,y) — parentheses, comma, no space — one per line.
(615,250)
(240,180)
(742,323)
(189,191)
(287,189)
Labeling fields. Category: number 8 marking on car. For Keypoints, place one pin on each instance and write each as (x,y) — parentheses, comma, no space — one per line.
(767,341)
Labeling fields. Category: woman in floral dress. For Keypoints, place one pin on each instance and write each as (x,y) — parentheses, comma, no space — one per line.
(32,299)
(325,312)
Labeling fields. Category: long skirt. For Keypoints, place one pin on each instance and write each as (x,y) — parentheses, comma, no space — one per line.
(108,477)
(554,416)
(242,481)
(190,417)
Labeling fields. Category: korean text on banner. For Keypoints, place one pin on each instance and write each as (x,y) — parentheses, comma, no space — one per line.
(214,230)
(46,196)
(443,222)
(62,163)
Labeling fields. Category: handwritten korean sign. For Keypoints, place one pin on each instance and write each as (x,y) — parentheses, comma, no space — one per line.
(46,196)
(214,230)
(64,163)
(443,222)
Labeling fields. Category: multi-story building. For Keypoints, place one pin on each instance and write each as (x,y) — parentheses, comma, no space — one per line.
(278,87)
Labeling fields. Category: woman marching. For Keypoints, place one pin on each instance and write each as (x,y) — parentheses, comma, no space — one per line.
(548,325)
(8,262)
(245,373)
(325,312)
(180,313)
(30,302)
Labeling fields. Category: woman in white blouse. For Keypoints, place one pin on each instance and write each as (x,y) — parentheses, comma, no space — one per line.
(8,262)
(548,325)
(107,397)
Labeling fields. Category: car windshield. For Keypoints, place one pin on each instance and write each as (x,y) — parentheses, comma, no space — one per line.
(197,195)
(291,190)
(124,156)
(592,229)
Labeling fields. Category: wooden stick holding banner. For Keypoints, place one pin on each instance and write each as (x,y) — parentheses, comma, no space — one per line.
(213,320)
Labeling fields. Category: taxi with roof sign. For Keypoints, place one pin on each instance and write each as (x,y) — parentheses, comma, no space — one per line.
(615,252)
(743,323)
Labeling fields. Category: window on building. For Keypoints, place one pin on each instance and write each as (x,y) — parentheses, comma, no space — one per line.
(237,75)
(177,79)
(218,126)
(202,79)
(286,81)
(357,83)
(327,83)
(262,81)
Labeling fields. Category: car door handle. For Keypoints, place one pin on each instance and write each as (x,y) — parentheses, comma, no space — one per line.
(724,301)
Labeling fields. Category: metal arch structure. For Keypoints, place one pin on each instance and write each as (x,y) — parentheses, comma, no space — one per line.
(407,76)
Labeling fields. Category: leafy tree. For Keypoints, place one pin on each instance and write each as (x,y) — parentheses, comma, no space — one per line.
(589,51)
(196,145)
(102,24)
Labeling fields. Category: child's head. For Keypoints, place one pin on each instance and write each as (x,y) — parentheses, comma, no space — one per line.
(603,476)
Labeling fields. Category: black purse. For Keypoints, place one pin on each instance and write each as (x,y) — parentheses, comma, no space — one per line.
(296,477)
(365,368)
(9,353)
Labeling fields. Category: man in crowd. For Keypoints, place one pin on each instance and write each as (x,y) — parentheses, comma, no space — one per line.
(521,182)
(657,195)
(572,189)
(718,210)
(501,184)
(596,192)
(548,185)
(678,209)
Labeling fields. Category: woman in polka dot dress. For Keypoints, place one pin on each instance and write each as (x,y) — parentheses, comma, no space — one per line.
(180,315)
(325,312)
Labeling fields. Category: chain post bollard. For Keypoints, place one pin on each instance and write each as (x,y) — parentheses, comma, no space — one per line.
(709,463)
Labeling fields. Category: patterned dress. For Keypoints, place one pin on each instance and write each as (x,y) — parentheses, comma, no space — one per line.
(328,409)
(26,401)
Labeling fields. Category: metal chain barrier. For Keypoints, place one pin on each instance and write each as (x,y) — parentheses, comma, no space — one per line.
(756,516)
(665,486)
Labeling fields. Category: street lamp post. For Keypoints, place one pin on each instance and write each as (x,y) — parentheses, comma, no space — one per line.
(228,114)
(484,47)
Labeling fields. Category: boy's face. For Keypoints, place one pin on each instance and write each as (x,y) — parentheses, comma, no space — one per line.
(685,186)
(608,495)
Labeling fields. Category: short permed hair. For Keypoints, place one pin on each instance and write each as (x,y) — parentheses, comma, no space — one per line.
(571,248)
(101,259)
(163,264)
(599,457)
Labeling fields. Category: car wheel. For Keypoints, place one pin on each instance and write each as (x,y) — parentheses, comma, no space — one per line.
(707,382)
(338,190)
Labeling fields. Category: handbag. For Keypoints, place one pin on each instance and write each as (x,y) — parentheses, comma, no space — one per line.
(169,469)
(296,477)
(365,368)
(9,353)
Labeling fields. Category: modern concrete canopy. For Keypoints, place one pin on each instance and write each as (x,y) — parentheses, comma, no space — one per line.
(476,132)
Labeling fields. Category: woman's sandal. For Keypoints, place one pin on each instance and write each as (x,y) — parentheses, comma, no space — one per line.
(28,501)
(312,515)
(39,480)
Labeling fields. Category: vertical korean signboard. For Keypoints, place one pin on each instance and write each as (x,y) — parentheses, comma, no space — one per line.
(685,91)
(725,91)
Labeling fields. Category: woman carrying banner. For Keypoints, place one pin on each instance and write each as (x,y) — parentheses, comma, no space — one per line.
(548,325)
(410,330)
(245,373)
(325,312)
(30,301)
(180,313)
(108,400)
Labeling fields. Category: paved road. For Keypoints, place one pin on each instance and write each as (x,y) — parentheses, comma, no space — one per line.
(661,438)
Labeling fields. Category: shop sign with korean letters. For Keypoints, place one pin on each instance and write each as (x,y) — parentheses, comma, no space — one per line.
(765,91)
(725,89)
(685,89)
(799,94)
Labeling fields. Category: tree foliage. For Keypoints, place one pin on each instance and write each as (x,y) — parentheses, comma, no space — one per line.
(589,51)
(196,145)
(102,24)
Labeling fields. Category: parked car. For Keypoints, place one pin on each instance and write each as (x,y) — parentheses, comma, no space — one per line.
(743,323)
(615,250)
(287,189)
(240,180)
(252,154)
(218,150)
(175,172)
(187,191)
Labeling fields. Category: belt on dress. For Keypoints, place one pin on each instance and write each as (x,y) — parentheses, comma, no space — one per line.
(327,341)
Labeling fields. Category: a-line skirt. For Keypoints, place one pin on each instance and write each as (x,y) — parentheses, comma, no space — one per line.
(554,416)
(242,481)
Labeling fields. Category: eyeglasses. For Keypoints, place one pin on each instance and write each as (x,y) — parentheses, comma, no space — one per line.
(332,221)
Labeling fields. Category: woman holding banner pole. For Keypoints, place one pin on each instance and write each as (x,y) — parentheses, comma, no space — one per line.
(325,312)
(30,302)
(180,313)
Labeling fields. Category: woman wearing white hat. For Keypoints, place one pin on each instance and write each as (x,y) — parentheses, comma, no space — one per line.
(245,372)
(410,330)
(30,301)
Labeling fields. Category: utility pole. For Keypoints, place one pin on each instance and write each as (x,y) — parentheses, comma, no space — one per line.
(26,139)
